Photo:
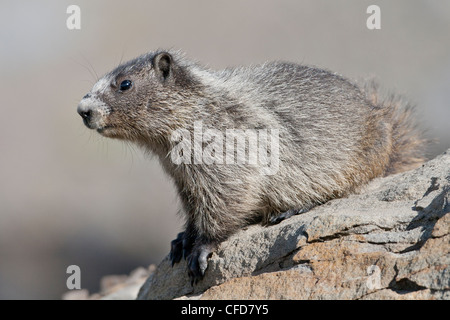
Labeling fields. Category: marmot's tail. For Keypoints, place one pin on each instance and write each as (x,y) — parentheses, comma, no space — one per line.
(407,138)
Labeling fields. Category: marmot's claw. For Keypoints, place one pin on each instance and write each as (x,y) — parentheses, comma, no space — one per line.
(181,247)
(187,247)
(198,261)
(176,248)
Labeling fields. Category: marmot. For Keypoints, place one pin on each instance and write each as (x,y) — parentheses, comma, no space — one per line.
(333,137)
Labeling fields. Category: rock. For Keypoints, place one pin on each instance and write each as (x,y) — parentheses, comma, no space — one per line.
(124,287)
(390,241)
(81,294)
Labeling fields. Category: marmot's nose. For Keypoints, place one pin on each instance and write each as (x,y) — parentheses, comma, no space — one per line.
(85,114)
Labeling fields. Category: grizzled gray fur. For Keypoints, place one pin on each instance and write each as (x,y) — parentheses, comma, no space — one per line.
(334,136)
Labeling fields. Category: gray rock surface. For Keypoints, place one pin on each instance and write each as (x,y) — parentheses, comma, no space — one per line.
(390,241)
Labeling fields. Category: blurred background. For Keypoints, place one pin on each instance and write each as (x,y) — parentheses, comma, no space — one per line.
(69,196)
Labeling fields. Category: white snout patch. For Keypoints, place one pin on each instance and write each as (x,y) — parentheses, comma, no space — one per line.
(100,110)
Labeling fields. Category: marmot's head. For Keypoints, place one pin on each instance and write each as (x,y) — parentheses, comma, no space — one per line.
(141,100)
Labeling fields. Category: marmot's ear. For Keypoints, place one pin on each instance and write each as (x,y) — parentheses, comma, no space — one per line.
(162,63)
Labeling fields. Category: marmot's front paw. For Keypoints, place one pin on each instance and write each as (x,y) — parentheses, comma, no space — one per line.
(197,261)
(180,247)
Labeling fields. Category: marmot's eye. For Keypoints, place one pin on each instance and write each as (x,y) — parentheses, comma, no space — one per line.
(125,85)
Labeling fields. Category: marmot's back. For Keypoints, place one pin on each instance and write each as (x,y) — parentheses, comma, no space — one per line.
(316,105)
(334,135)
